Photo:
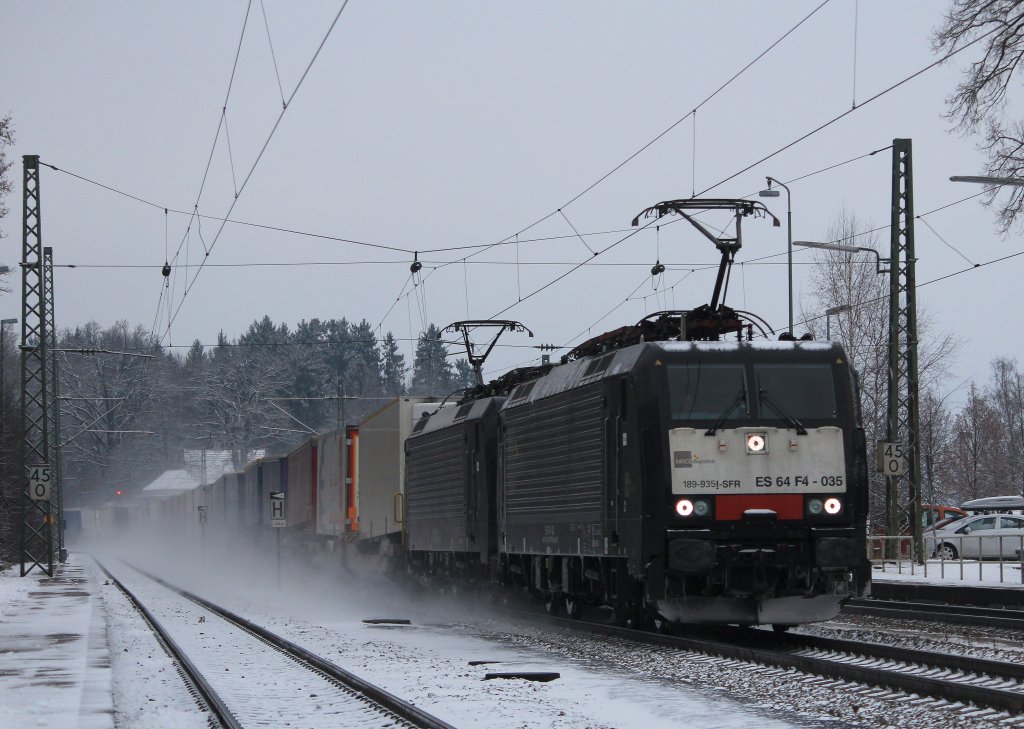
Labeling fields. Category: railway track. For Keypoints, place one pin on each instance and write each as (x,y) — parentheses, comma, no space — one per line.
(992,686)
(305,685)
(989,617)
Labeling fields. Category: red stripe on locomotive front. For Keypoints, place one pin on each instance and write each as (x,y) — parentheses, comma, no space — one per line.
(786,506)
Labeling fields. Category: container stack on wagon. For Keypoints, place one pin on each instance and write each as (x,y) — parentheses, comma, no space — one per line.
(380,489)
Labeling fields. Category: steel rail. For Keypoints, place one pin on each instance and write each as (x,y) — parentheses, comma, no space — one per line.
(199,683)
(376,694)
(898,677)
(952,662)
(988,617)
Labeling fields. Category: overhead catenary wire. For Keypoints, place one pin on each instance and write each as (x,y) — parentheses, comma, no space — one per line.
(944,277)
(259,157)
(273,56)
(658,137)
(856,19)
(580,265)
(696,108)
(846,113)
(323,236)
(204,262)
(516,240)
(946,242)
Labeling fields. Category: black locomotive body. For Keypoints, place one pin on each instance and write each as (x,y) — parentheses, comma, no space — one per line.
(451,462)
(682,481)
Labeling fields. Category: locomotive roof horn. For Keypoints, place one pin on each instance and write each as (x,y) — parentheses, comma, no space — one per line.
(465,327)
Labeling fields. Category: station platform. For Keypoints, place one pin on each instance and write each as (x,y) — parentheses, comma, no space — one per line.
(54,655)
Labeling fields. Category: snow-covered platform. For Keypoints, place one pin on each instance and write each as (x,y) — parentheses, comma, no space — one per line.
(54,657)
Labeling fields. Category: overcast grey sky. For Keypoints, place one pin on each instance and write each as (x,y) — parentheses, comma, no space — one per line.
(430,125)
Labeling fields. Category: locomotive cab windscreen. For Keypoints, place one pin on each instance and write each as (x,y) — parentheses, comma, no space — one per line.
(757,440)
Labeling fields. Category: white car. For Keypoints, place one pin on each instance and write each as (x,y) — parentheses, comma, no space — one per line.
(988,536)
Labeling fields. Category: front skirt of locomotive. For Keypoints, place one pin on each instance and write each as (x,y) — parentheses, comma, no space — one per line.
(751,611)
(786,584)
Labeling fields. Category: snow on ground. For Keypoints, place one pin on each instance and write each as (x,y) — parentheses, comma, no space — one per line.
(428,662)
(968,573)
(148,690)
(74,653)
(260,685)
(54,658)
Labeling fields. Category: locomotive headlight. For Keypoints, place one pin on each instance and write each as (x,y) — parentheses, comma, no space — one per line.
(701,508)
(833,506)
(814,506)
(684,507)
(757,443)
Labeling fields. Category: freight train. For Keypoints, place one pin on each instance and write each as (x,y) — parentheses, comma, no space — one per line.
(674,471)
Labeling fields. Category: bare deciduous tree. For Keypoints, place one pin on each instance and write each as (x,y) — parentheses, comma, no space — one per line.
(848,282)
(6,139)
(979,103)
(232,394)
(109,403)
(979,467)
(1006,395)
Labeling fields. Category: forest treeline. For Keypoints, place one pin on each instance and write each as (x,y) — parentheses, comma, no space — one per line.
(126,418)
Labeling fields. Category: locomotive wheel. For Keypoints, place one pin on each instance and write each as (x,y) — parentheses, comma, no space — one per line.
(637,618)
(661,625)
(573,607)
(553,604)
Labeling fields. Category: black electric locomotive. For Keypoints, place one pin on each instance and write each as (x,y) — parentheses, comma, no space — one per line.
(688,482)
(659,471)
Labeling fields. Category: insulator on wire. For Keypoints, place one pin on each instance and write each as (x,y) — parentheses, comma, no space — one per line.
(416,265)
(657,268)
(166,270)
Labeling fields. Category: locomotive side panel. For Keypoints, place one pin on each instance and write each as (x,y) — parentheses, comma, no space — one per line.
(553,481)
(436,491)
(450,483)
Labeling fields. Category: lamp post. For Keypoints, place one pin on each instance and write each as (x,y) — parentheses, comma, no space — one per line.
(769,192)
(1012,181)
(830,313)
(847,249)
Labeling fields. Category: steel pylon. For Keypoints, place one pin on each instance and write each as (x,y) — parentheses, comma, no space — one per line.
(39,528)
(903,495)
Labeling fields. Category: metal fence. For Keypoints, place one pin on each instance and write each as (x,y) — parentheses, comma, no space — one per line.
(962,556)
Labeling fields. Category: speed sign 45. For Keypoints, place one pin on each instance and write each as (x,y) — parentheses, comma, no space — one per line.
(890,459)
(39,479)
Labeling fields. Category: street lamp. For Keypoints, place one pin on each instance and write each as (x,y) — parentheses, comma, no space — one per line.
(769,192)
(830,313)
(1012,181)
(847,249)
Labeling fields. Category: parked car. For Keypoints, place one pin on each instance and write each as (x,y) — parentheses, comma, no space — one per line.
(1002,504)
(935,513)
(987,536)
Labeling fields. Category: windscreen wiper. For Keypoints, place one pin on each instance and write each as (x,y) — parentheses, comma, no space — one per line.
(786,417)
(741,396)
